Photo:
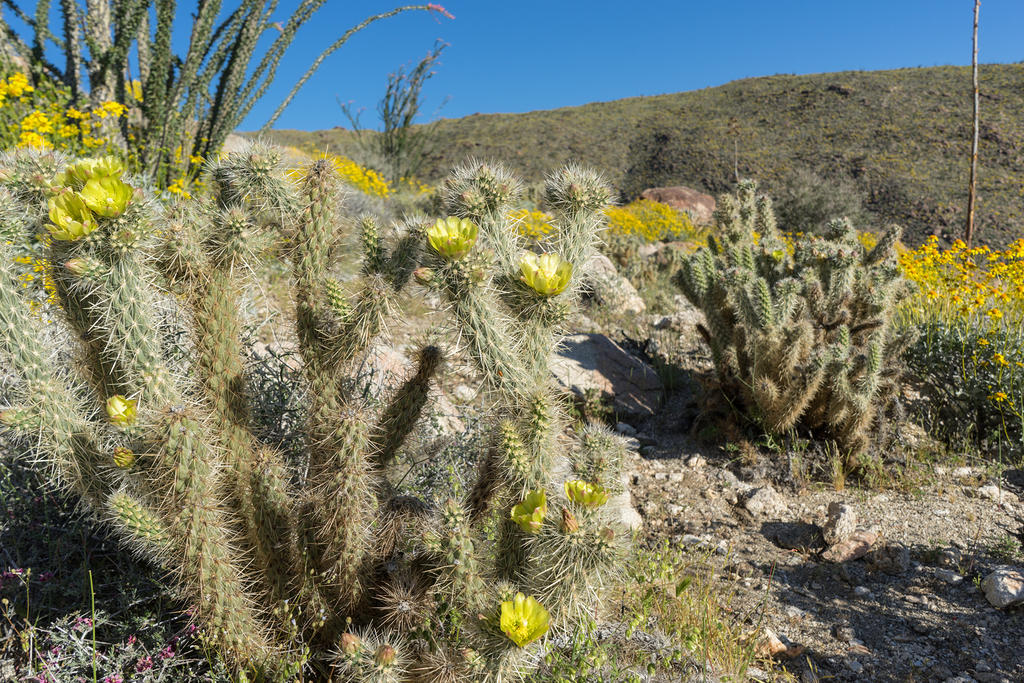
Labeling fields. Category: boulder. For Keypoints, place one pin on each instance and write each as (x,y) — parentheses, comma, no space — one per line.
(613,290)
(1004,587)
(700,206)
(594,362)
(764,502)
(891,558)
(841,523)
(853,548)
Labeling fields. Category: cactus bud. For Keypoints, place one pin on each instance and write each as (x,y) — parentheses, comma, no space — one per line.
(385,656)
(121,410)
(546,274)
(124,458)
(452,237)
(350,644)
(570,524)
(424,276)
(86,267)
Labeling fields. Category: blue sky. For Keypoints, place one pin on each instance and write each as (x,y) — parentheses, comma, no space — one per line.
(531,54)
(528,55)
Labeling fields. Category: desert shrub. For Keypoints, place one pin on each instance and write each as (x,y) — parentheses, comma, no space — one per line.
(40,116)
(635,236)
(969,357)
(803,339)
(651,222)
(324,561)
(806,201)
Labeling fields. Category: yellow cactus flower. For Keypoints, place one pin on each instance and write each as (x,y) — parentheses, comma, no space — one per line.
(123,457)
(529,514)
(452,237)
(585,493)
(546,274)
(524,620)
(70,217)
(108,197)
(121,410)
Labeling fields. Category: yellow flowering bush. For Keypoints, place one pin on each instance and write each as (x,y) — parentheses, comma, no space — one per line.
(364,179)
(970,354)
(651,221)
(531,223)
(41,118)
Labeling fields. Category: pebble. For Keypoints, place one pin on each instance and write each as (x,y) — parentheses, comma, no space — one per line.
(854,666)
(696,462)
(627,429)
(861,591)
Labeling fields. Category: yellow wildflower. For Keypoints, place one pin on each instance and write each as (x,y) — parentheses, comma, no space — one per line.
(529,514)
(546,274)
(107,196)
(452,237)
(585,493)
(524,620)
(121,410)
(70,217)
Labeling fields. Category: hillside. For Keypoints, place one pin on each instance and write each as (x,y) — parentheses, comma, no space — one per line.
(900,137)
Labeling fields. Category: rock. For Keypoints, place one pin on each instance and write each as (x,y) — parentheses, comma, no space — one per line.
(769,644)
(853,548)
(383,369)
(611,289)
(627,429)
(695,462)
(622,508)
(684,319)
(841,523)
(891,558)
(1004,587)
(949,576)
(700,206)
(843,633)
(764,502)
(442,418)
(288,354)
(594,362)
(996,493)
(464,393)
(862,591)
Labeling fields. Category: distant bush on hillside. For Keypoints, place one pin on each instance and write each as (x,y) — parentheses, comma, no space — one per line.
(807,201)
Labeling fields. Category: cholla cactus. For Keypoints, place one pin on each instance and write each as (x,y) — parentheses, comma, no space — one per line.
(803,335)
(324,560)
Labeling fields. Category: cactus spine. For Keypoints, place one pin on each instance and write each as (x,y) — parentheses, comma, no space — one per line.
(326,555)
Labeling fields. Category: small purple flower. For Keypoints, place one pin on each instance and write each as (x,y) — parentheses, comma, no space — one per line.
(167,652)
(144,664)
(115,678)
(45,576)
(83,623)
(132,639)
